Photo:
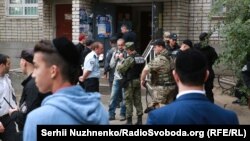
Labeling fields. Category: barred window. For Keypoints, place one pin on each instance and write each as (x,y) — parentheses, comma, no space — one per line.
(22,7)
(222,9)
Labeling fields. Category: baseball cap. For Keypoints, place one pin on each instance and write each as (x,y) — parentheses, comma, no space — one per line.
(158,42)
(173,36)
(129,45)
(27,54)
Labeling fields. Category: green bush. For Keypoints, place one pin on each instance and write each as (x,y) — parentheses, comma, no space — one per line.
(235,31)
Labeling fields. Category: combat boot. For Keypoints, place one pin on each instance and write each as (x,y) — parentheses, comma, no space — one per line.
(129,121)
(139,120)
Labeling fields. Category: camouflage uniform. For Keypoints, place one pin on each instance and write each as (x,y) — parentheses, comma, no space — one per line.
(161,79)
(133,90)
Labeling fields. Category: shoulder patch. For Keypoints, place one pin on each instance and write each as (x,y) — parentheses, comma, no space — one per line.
(92,62)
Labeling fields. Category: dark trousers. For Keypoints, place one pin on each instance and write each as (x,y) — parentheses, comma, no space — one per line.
(10,133)
(91,85)
(209,85)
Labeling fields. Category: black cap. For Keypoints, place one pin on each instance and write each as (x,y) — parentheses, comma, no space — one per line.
(203,36)
(188,42)
(67,50)
(158,42)
(27,54)
(173,36)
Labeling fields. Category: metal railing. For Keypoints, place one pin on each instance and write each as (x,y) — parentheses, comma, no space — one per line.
(148,51)
(148,55)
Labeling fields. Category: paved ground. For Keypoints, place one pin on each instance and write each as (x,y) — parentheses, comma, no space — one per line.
(222,100)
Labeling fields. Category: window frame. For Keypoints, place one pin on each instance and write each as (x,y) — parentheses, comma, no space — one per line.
(22,5)
(223,9)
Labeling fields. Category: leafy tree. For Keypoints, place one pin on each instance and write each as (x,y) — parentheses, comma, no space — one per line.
(236,32)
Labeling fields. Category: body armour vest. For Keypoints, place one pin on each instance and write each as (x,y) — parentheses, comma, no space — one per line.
(163,76)
(136,69)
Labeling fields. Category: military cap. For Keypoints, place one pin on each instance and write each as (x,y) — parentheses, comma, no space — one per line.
(130,45)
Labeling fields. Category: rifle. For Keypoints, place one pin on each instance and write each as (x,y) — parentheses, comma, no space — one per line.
(147,86)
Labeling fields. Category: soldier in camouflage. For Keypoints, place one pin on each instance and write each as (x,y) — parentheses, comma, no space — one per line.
(162,80)
(131,68)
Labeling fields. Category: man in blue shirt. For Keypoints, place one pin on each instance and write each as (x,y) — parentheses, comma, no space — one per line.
(57,70)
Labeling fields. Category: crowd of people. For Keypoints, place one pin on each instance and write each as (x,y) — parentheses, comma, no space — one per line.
(62,84)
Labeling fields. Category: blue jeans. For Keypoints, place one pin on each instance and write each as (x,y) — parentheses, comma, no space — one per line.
(117,91)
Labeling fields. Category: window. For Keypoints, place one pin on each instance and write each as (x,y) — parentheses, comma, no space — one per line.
(217,31)
(219,6)
(22,7)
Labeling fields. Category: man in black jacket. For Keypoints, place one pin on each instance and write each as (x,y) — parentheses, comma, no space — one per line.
(211,56)
(81,45)
(30,98)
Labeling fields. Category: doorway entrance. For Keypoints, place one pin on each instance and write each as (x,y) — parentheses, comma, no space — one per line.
(135,16)
(145,34)
(64,20)
(138,18)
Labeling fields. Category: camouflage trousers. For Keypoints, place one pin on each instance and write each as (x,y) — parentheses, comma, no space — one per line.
(163,95)
(133,98)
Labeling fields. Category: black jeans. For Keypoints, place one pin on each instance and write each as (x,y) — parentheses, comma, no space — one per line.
(91,85)
(10,133)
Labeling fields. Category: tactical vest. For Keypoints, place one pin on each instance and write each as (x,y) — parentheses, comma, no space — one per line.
(136,69)
(164,77)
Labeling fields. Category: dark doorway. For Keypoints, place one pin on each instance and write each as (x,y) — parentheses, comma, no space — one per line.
(138,17)
(124,16)
(64,20)
(145,29)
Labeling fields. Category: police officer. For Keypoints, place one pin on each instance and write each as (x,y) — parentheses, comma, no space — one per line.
(161,76)
(131,68)
(173,47)
(91,69)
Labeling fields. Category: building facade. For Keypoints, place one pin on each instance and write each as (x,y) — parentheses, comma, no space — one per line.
(23,22)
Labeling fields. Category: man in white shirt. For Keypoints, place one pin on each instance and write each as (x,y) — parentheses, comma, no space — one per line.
(7,100)
(91,71)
